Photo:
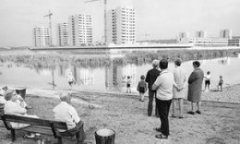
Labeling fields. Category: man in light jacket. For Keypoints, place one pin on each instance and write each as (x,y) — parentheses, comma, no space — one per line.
(164,87)
(65,112)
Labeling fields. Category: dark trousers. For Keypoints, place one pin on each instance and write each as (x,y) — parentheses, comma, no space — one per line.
(163,109)
(78,131)
(152,95)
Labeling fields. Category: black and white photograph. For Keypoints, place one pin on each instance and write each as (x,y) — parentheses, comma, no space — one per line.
(119,72)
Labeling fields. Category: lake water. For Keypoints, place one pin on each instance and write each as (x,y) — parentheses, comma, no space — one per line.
(107,78)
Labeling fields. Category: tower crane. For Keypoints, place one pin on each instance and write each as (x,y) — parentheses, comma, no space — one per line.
(49,15)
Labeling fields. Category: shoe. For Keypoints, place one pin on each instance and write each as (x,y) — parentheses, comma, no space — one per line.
(161,136)
(173,116)
(28,107)
(180,117)
(158,129)
(191,112)
(199,112)
(30,136)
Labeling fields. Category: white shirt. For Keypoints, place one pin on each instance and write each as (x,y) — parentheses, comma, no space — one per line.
(70,77)
(208,76)
(2,100)
(20,101)
(2,92)
(164,83)
(66,113)
(180,79)
(14,108)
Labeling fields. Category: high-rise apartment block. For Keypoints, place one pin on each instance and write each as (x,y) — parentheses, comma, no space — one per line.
(226,33)
(63,34)
(234,41)
(200,34)
(121,26)
(184,37)
(80,30)
(41,37)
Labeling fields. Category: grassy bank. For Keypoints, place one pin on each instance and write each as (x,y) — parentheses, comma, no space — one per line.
(218,123)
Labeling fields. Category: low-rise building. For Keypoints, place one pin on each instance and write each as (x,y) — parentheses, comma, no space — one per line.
(234,41)
(210,41)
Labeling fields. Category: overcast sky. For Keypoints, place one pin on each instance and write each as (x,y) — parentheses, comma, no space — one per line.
(156,19)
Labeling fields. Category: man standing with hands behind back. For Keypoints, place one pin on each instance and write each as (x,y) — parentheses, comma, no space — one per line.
(152,75)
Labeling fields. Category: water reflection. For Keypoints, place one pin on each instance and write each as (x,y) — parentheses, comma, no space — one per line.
(224,61)
(102,73)
(84,76)
(116,76)
(113,77)
(53,79)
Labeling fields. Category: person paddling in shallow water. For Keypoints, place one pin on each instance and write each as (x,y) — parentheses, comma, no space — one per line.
(70,79)
(129,84)
(220,83)
(207,81)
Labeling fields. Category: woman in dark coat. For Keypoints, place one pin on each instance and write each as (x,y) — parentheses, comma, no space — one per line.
(195,86)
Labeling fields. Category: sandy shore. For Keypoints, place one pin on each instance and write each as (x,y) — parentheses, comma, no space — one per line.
(219,122)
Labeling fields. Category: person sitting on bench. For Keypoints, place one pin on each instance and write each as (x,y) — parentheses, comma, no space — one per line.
(13,106)
(2,92)
(65,112)
(17,98)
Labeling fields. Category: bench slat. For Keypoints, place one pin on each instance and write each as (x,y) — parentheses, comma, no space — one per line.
(38,129)
(35,121)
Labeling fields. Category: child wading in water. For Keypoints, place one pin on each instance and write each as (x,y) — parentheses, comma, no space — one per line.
(142,87)
(129,84)
(207,81)
(220,83)
(70,79)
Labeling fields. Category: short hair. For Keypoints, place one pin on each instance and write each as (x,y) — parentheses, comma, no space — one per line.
(155,63)
(163,64)
(178,62)
(5,88)
(142,77)
(63,95)
(8,95)
(196,63)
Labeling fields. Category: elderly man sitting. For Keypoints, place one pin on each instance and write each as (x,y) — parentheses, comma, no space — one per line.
(67,113)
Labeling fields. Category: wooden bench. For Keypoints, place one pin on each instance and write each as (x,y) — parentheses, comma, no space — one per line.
(42,126)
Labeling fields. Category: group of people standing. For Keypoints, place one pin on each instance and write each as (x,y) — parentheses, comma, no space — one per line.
(170,88)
